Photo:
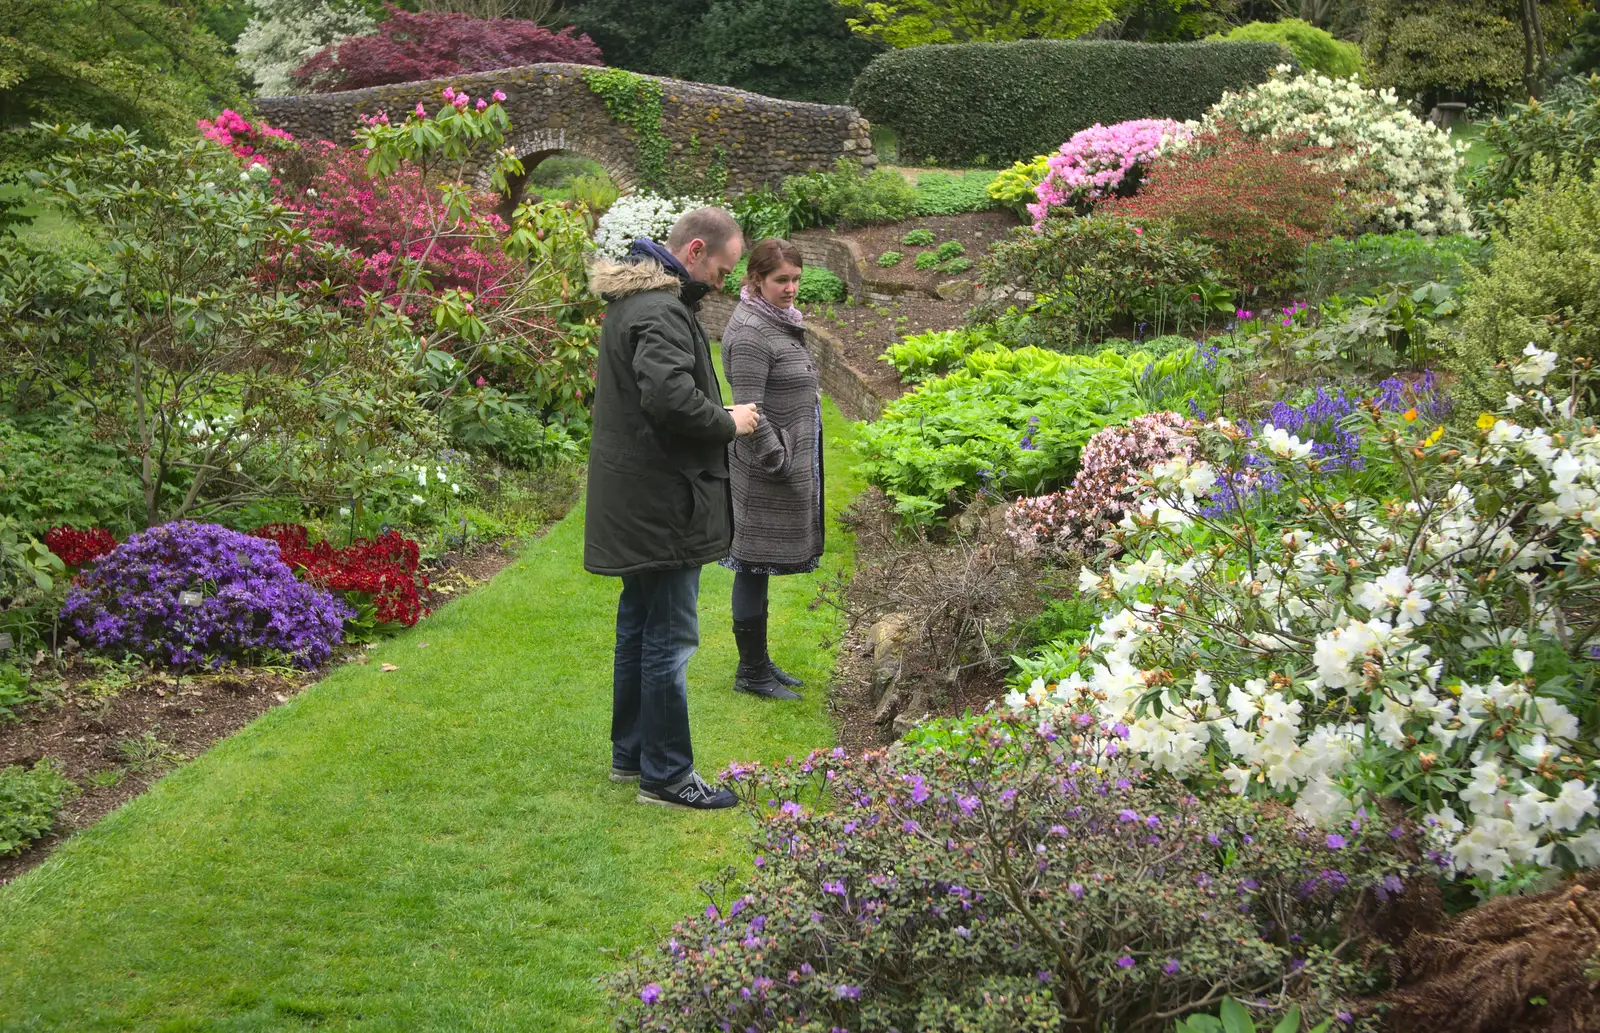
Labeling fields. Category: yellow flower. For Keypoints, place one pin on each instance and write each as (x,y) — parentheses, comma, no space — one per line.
(1485,421)
(1433,439)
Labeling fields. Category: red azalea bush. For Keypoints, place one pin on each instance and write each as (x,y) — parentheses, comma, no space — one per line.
(410,47)
(382,568)
(76,548)
(1258,207)
(385,223)
(1110,472)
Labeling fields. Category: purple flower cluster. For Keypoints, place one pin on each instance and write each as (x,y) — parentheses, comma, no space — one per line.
(245,600)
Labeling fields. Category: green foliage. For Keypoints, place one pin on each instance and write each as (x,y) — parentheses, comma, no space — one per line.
(765,213)
(1541,284)
(1011,101)
(149,65)
(1005,422)
(1314,48)
(940,193)
(635,101)
(1092,274)
(952,266)
(926,260)
(890,258)
(918,238)
(1155,347)
(797,49)
(1443,49)
(1365,264)
(1585,44)
(53,471)
(915,23)
(29,800)
(847,196)
(1235,1018)
(817,285)
(15,691)
(561,169)
(948,250)
(1564,131)
(1014,188)
(936,352)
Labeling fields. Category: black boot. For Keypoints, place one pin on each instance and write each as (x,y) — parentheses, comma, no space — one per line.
(781,676)
(753,675)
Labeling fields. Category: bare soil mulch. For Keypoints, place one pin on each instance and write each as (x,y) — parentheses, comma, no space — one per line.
(865,331)
(115,729)
(974,230)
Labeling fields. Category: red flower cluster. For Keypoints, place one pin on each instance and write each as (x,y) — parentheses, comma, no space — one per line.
(77,548)
(383,569)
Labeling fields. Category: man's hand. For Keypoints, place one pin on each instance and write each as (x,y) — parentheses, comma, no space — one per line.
(745,419)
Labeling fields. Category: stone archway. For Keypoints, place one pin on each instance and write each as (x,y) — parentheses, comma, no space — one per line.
(552,108)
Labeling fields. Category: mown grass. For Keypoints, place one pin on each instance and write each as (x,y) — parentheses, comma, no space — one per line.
(432,848)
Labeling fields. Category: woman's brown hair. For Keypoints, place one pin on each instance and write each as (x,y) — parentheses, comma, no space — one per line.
(767,256)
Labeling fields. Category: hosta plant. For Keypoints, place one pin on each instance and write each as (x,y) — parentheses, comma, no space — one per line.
(1430,647)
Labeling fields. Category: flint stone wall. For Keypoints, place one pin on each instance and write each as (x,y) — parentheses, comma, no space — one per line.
(553,110)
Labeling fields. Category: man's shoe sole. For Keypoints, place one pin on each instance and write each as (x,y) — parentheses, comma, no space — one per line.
(674,805)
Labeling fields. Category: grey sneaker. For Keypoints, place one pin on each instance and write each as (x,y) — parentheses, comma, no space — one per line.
(692,793)
(624,774)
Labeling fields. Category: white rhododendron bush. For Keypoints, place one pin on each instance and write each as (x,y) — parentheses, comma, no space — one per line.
(1428,648)
(1416,160)
(640,215)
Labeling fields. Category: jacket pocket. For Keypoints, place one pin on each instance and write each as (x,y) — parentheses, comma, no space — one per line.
(708,498)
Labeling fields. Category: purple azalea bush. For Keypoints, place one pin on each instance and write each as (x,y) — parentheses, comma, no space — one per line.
(1002,875)
(250,601)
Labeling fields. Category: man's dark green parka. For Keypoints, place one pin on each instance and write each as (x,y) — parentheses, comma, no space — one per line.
(658,459)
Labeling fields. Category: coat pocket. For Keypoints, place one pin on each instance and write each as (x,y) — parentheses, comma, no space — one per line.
(708,498)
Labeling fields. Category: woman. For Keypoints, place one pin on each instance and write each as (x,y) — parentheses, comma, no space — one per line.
(777,471)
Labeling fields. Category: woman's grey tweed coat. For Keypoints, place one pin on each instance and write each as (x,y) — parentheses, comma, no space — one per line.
(777,482)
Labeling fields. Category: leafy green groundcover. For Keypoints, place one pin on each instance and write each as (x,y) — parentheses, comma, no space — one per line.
(432,848)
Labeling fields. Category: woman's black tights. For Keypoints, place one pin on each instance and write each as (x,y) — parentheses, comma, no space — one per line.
(749,596)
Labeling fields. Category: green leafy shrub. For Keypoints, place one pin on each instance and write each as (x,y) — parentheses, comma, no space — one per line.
(926,260)
(1235,1018)
(1315,49)
(816,283)
(890,258)
(53,471)
(1563,130)
(1434,49)
(1155,347)
(1372,261)
(848,196)
(991,876)
(1007,421)
(561,169)
(1541,284)
(940,193)
(29,801)
(1010,101)
(1088,275)
(1014,188)
(918,238)
(765,213)
(955,265)
(936,352)
(948,250)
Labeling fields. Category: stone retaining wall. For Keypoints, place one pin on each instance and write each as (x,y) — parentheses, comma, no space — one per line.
(553,110)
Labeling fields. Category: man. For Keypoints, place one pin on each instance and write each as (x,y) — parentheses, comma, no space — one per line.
(659,505)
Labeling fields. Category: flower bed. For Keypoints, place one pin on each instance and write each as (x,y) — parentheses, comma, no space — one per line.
(380,573)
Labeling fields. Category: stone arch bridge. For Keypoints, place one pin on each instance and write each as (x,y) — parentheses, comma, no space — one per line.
(553,111)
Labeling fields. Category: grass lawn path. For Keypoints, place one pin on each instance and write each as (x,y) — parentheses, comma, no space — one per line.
(433,848)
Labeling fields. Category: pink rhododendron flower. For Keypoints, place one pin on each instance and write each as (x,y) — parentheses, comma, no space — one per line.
(483,105)
(1102,161)
(422,112)
(498,96)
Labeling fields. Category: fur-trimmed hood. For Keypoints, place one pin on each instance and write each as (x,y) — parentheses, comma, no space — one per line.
(613,280)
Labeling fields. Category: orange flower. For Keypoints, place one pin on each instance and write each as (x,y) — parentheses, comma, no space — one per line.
(1410,414)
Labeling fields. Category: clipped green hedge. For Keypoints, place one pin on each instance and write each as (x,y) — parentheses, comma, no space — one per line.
(992,103)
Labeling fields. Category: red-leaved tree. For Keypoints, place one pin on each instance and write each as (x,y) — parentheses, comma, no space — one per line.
(1259,207)
(409,47)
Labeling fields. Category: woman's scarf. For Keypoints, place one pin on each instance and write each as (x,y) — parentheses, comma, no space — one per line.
(753,298)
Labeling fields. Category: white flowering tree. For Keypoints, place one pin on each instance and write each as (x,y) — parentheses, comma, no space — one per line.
(1431,648)
(640,215)
(1416,160)
(284,33)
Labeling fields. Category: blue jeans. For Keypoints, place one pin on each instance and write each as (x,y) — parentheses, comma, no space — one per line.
(658,630)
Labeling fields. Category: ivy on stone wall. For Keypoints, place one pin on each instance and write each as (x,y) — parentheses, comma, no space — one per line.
(635,101)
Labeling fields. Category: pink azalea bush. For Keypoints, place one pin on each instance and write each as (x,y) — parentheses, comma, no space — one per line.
(1108,482)
(380,224)
(1102,161)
